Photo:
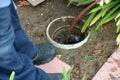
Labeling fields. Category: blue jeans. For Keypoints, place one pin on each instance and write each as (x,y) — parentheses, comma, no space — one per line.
(16,50)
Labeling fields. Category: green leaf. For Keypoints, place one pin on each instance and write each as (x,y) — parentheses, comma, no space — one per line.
(118,16)
(12,76)
(96,18)
(106,18)
(118,22)
(118,26)
(87,22)
(101,14)
(65,75)
(82,2)
(112,17)
(84,77)
(70,2)
(104,6)
(106,9)
(96,9)
(118,39)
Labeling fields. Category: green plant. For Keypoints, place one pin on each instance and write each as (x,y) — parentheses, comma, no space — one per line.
(100,14)
(118,29)
(79,17)
(66,76)
(84,77)
(104,14)
(79,2)
(12,76)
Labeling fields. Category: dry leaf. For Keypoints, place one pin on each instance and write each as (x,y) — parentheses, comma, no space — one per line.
(97,52)
(117,61)
(113,69)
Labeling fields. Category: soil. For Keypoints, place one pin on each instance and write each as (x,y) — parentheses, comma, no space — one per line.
(84,60)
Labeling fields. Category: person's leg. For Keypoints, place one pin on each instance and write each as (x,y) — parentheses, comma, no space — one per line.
(45,52)
(10,60)
(22,43)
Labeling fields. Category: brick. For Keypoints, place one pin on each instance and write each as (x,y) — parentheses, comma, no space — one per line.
(35,2)
(55,66)
(110,69)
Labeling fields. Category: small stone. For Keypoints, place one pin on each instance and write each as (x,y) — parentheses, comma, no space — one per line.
(41,14)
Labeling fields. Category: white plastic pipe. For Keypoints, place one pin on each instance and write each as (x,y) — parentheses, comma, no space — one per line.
(64,46)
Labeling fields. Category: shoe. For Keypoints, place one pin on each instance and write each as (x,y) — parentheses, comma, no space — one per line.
(55,76)
(46,52)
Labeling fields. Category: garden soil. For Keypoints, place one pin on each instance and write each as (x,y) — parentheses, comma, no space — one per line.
(84,60)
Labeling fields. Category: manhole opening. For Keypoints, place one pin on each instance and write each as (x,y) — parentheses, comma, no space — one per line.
(60,35)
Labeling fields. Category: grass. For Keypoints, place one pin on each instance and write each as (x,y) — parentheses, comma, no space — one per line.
(84,77)
(12,76)
(66,76)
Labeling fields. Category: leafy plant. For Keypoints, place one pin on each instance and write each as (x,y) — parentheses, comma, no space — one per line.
(84,77)
(12,76)
(118,29)
(80,2)
(66,76)
(104,14)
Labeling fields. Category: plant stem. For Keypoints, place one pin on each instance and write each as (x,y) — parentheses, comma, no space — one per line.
(79,17)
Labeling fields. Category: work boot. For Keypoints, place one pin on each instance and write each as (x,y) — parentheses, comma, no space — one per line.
(55,76)
(46,52)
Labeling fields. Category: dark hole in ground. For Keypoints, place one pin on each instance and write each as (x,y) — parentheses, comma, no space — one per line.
(75,37)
